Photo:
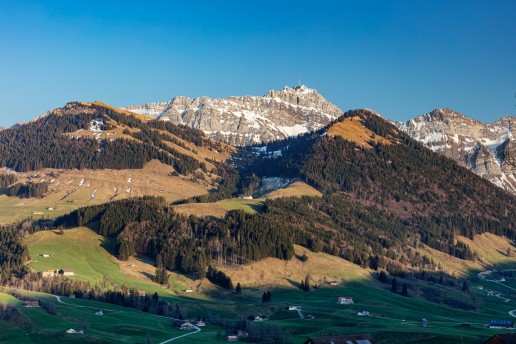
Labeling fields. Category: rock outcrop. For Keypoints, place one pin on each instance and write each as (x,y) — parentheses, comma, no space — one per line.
(248,120)
(482,148)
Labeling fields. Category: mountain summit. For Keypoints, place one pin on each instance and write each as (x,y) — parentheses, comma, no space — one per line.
(248,120)
(478,146)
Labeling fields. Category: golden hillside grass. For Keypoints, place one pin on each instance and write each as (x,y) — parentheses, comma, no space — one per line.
(489,247)
(352,129)
(288,274)
(296,189)
(201,209)
(220,208)
(66,193)
(120,111)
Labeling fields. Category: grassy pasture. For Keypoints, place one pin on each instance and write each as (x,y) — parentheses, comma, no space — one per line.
(117,325)
(89,256)
(393,318)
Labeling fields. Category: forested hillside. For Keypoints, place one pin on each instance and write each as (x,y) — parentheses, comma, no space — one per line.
(378,200)
(382,200)
(97,136)
(150,227)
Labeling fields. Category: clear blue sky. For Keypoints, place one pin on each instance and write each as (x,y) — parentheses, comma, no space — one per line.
(402,58)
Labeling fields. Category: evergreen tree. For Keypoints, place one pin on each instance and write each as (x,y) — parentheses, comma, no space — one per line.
(465,286)
(404,290)
(382,277)
(238,288)
(264,297)
(269,296)
(394,285)
(307,283)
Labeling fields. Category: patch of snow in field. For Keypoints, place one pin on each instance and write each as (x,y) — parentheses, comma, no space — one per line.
(129,180)
(96,125)
(82,182)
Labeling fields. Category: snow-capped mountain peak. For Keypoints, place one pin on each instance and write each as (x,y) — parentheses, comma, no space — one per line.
(244,120)
(478,146)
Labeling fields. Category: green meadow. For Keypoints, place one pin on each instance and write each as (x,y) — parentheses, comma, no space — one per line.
(393,318)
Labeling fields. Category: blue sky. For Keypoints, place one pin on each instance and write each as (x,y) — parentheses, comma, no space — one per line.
(401,58)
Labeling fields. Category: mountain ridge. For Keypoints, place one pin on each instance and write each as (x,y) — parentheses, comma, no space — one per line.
(481,147)
(245,120)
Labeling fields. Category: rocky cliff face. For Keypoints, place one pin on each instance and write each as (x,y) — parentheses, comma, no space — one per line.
(480,147)
(249,119)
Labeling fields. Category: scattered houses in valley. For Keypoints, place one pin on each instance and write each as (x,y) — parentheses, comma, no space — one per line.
(345,301)
(341,339)
(501,324)
(31,304)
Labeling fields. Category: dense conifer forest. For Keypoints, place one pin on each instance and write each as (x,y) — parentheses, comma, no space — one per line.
(150,227)
(48,143)
(378,203)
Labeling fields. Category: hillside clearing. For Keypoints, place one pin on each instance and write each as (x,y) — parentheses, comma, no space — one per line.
(352,129)
(66,193)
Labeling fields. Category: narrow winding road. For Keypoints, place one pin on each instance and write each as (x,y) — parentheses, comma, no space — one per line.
(197,329)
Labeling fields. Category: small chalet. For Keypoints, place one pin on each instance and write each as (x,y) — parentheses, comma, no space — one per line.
(363,313)
(232,338)
(503,338)
(345,301)
(141,293)
(501,324)
(99,312)
(360,339)
(187,327)
(480,287)
(200,323)
(74,331)
(184,325)
(31,304)
(48,273)
(66,272)
(44,255)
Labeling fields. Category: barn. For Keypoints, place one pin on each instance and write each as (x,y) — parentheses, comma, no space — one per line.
(501,324)
(341,339)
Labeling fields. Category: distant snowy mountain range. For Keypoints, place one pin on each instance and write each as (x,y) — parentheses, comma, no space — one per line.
(248,119)
(480,147)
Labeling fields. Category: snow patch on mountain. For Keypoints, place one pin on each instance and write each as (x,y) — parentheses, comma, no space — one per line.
(479,147)
(248,120)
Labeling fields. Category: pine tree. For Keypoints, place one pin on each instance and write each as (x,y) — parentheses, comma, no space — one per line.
(264,297)
(394,285)
(269,296)
(465,286)
(382,277)
(307,283)
(404,290)
(238,288)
